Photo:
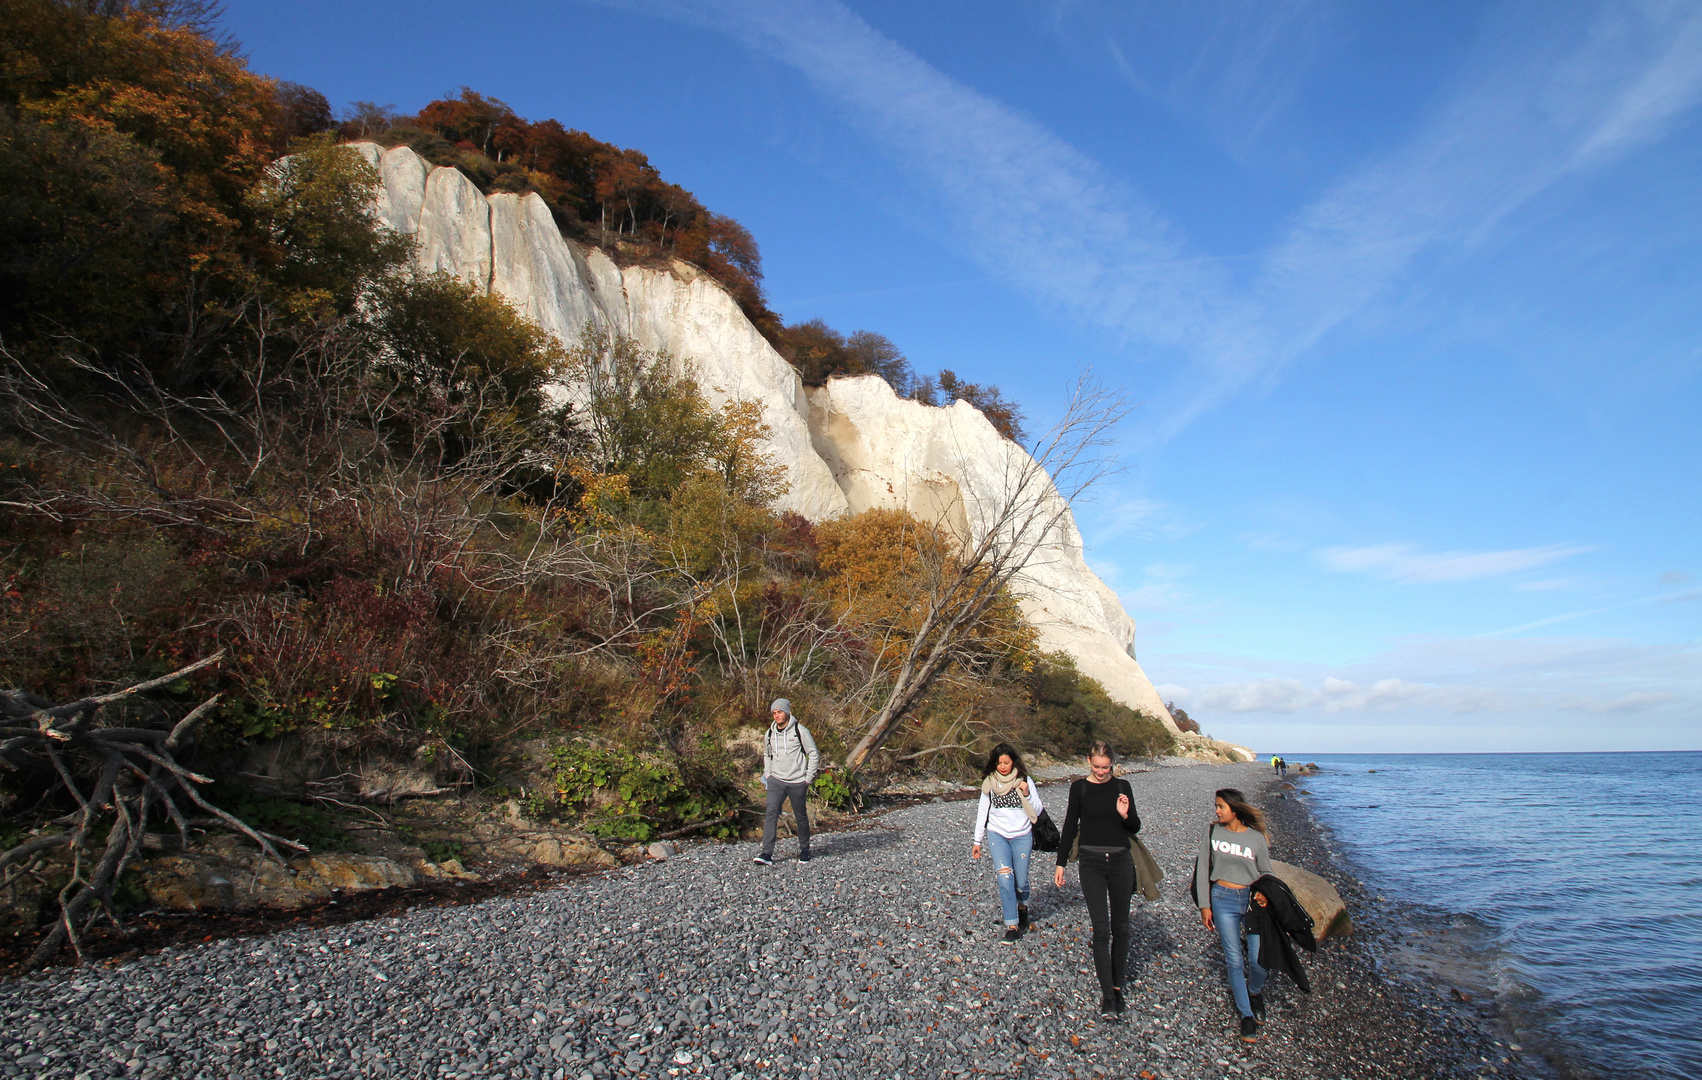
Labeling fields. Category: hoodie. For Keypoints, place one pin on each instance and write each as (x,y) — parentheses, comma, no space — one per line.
(789,754)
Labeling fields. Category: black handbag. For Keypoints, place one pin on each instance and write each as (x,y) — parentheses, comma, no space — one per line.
(1046,835)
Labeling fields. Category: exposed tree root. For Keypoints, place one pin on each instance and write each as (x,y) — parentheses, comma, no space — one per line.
(120,778)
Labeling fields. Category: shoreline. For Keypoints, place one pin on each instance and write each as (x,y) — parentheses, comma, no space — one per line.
(1451,969)
(1303,838)
(879,959)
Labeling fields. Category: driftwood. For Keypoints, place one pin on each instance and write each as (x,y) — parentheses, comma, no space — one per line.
(119,778)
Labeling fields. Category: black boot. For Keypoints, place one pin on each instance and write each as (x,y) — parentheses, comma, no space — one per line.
(1117,1005)
(1258,1003)
(1108,1003)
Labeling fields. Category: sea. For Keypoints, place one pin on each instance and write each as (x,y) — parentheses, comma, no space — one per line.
(1566,887)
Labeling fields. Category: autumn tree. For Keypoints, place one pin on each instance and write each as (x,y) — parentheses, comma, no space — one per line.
(1013,521)
(439,331)
(326,251)
(302,111)
(368,119)
(130,144)
(471,118)
(820,352)
(876,354)
(1004,414)
(654,426)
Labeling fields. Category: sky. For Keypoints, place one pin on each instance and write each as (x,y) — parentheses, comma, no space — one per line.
(1408,298)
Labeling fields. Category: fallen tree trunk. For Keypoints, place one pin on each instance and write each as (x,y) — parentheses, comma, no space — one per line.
(120,778)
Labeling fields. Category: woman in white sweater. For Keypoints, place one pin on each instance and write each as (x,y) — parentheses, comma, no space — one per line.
(1009,805)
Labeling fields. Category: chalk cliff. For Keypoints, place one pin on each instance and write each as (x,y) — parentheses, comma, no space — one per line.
(848,446)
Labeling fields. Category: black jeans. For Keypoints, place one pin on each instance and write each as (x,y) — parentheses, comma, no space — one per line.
(1108,883)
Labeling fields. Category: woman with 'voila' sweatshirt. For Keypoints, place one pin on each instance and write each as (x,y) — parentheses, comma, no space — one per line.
(1232,856)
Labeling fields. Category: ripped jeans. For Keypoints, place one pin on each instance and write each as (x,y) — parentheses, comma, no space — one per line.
(1010,858)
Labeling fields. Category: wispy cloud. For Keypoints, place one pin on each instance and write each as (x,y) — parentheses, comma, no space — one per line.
(1331,695)
(1532,110)
(1552,584)
(1634,702)
(1137,518)
(1233,67)
(1410,566)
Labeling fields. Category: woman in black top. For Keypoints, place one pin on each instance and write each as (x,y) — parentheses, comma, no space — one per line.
(1102,815)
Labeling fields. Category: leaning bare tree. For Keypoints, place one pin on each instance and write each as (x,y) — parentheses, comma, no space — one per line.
(119,777)
(1007,526)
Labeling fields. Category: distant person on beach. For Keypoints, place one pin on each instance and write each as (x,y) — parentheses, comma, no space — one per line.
(1102,819)
(1282,766)
(1010,804)
(789,763)
(1276,764)
(1232,856)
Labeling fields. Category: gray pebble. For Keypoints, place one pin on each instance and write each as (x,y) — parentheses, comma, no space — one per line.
(880,958)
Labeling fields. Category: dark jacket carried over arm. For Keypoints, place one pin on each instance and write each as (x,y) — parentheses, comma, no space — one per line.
(1281,924)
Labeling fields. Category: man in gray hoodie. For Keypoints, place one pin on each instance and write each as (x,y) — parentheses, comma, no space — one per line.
(789,762)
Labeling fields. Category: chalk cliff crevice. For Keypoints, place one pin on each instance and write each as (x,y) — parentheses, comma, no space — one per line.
(847,446)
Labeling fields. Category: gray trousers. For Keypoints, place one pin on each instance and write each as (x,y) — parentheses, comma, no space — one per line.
(778,793)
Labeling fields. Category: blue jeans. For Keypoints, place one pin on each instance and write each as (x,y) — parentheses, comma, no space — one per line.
(1227,908)
(1010,857)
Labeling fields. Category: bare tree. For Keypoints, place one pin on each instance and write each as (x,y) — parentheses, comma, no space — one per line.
(1008,527)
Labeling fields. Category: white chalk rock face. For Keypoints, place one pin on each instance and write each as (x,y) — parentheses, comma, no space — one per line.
(374,156)
(454,233)
(685,313)
(849,446)
(539,271)
(952,467)
(404,175)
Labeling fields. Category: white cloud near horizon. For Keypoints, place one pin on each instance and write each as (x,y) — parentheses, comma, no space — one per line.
(1568,99)
(1333,695)
(1529,693)
(1408,565)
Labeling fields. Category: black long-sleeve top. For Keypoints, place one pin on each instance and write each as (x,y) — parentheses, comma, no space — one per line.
(1093,812)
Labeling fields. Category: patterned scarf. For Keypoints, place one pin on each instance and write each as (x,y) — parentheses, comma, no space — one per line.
(997,786)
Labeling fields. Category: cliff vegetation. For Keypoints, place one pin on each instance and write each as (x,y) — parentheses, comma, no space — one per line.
(233,417)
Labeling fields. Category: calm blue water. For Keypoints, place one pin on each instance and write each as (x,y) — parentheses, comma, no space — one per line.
(1564,884)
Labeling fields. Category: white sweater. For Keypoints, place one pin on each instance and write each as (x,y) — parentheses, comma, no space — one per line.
(1005,815)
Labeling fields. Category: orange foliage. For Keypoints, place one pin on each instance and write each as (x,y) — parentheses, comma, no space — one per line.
(200,109)
(875,564)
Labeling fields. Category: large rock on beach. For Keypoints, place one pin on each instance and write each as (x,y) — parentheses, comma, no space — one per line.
(560,852)
(1318,897)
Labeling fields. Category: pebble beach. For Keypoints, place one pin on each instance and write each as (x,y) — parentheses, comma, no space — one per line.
(880,958)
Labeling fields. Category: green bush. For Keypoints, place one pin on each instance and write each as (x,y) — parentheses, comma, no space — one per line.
(838,789)
(1071,711)
(649,796)
(441,851)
